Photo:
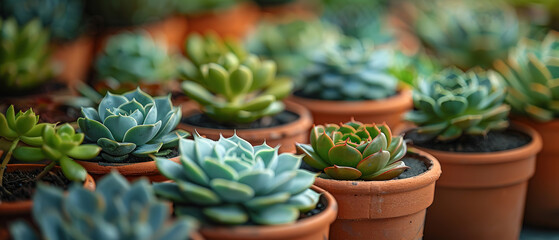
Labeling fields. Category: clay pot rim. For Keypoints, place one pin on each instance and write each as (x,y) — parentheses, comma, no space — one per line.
(126,169)
(395,185)
(286,231)
(283,130)
(391,104)
(12,208)
(511,155)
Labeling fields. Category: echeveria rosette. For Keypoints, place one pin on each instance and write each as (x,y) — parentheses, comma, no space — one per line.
(132,123)
(532,75)
(60,146)
(355,151)
(234,91)
(115,210)
(231,182)
(453,103)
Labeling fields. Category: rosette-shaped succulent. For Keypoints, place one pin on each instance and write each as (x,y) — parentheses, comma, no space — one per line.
(135,57)
(132,123)
(350,70)
(60,146)
(64,18)
(532,74)
(467,33)
(355,151)
(116,210)
(24,56)
(453,103)
(234,91)
(231,182)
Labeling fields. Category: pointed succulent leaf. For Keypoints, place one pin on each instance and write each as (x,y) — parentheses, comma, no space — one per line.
(226,214)
(342,172)
(277,214)
(344,155)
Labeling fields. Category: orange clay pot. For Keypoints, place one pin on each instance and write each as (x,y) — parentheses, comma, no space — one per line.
(11,211)
(390,110)
(542,199)
(234,22)
(74,59)
(312,228)
(284,135)
(481,195)
(393,209)
(130,171)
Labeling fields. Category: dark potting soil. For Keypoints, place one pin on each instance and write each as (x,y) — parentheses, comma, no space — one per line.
(20,185)
(320,206)
(134,159)
(492,142)
(201,120)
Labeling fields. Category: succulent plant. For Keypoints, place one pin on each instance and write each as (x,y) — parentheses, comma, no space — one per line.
(234,91)
(532,75)
(135,57)
(291,53)
(231,182)
(132,123)
(116,210)
(408,69)
(123,13)
(204,49)
(19,127)
(354,150)
(454,103)
(60,146)
(351,70)
(467,33)
(24,56)
(202,6)
(64,18)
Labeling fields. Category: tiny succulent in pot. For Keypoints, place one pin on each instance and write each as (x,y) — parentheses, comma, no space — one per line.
(116,210)
(132,123)
(231,182)
(135,57)
(355,151)
(64,18)
(454,103)
(350,70)
(532,74)
(24,56)
(60,146)
(467,33)
(235,91)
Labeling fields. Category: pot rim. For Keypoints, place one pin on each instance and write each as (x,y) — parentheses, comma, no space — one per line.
(286,231)
(402,100)
(13,208)
(511,155)
(126,169)
(391,186)
(280,131)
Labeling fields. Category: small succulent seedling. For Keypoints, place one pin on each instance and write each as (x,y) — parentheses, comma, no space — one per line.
(350,70)
(235,91)
(532,75)
(231,182)
(60,146)
(355,151)
(454,103)
(116,210)
(132,123)
(22,126)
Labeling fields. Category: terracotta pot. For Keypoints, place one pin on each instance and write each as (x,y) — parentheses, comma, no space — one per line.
(130,171)
(74,59)
(389,110)
(542,199)
(171,30)
(481,195)
(393,209)
(234,22)
(11,211)
(285,135)
(312,228)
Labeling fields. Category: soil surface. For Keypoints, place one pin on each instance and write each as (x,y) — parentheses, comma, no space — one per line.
(201,120)
(20,185)
(320,206)
(492,142)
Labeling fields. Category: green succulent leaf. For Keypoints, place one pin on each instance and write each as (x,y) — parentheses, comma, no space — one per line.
(226,214)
